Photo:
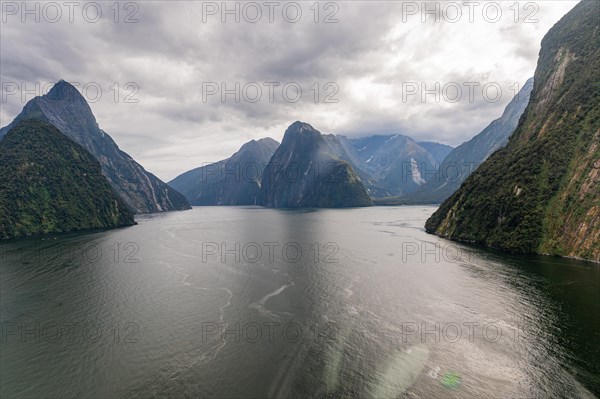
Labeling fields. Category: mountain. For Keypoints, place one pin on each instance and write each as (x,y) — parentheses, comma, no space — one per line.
(386,165)
(50,184)
(233,181)
(65,108)
(541,193)
(464,159)
(389,165)
(306,172)
(439,151)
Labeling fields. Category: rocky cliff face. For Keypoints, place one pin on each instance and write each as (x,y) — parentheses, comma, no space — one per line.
(65,108)
(306,172)
(50,184)
(541,193)
(234,181)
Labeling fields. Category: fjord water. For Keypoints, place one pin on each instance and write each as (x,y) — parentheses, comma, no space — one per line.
(252,302)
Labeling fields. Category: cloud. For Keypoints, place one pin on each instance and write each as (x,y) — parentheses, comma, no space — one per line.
(363,62)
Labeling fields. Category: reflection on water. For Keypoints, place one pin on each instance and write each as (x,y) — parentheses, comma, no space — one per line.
(252,302)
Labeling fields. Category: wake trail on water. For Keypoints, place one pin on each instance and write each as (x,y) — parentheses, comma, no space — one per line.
(260,305)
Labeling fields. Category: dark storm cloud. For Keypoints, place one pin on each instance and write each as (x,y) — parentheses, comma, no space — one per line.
(370,54)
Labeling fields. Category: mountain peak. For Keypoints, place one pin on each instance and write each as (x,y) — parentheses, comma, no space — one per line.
(64,91)
(299,128)
(266,142)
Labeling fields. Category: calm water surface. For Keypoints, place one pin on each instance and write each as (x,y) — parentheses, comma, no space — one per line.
(252,302)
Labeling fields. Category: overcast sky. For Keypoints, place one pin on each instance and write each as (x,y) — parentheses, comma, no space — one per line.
(369,60)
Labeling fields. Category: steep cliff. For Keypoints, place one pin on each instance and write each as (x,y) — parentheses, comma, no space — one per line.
(541,193)
(305,172)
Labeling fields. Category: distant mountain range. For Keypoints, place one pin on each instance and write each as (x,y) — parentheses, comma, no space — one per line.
(384,165)
(394,169)
(393,164)
(66,109)
(50,184)
(541,193)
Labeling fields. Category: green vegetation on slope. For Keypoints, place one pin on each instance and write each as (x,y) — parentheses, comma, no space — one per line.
(48,184)
(340,188)
(540,193)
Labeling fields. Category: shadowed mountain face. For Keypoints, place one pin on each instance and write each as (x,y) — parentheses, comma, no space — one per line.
(65,108)
(464,159)
(50,184)
(307,171)
(233,181)
(541,192)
